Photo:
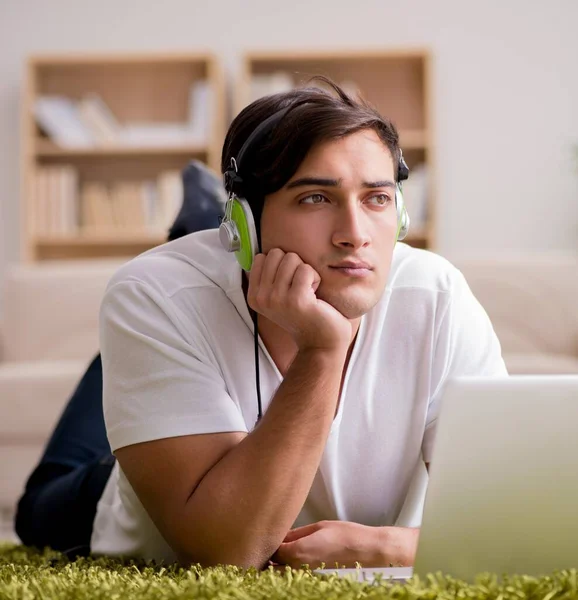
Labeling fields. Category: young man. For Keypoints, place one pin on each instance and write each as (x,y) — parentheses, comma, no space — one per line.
(357,336)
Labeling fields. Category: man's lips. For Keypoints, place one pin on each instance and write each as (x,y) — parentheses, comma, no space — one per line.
(352,264)
(352,268)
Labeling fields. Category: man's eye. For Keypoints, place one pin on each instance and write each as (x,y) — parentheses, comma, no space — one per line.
(313,199)
(380,199)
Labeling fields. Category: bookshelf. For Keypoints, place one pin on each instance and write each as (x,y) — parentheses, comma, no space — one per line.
(397,83)
(128,125)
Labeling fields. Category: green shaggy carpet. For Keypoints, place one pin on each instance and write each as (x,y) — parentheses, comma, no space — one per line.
(26,574)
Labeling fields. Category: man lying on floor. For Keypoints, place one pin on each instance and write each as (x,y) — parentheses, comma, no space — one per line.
(306,454)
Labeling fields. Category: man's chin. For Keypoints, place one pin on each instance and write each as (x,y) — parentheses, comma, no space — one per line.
(351,306)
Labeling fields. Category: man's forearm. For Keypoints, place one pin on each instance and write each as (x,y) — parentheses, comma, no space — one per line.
(247,502)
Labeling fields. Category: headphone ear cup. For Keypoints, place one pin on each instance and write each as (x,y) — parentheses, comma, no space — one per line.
(237,232)
(403,220)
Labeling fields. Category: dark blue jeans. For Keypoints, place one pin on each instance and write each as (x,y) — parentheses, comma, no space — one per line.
(58,506)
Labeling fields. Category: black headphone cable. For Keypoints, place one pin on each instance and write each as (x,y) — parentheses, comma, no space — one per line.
(256,339)
(257,377)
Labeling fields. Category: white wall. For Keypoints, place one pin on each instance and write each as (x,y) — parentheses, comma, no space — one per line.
(505,85)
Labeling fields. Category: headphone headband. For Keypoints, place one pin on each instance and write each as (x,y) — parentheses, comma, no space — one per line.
(231,177)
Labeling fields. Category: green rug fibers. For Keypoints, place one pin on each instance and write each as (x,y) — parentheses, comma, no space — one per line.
(27,574)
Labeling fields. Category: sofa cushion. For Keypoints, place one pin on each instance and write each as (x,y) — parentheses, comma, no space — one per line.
(51,309)
(532,301)
(32,396)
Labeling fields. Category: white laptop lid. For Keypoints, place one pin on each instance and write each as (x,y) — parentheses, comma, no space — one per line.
(503,486)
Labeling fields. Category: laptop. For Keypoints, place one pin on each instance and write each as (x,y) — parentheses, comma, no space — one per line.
(502,495)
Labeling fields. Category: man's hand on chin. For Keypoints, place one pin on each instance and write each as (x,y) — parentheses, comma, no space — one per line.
(345,544)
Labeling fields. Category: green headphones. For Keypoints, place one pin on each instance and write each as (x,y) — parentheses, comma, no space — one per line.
(237,231)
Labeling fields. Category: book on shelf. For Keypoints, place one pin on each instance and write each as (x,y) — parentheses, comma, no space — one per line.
(99,120)
(130,210)
(96,208)
(59,118)
(55,200)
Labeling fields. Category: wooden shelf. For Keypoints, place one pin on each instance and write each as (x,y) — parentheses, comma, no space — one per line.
(46,148)
(154,88)
(102,239)
(145,58)
(95,245)
(63,188)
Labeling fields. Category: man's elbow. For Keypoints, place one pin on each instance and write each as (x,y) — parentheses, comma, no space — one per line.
(244,556)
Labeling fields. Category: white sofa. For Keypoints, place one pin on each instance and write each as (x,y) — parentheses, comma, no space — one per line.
(50,335)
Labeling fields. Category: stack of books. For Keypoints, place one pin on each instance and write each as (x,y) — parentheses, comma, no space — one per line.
(63,207)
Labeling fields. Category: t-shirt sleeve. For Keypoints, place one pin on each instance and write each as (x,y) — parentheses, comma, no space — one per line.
(157,381)
(466,346)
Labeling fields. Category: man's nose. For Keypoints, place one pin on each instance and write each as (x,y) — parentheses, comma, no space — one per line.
(350,230)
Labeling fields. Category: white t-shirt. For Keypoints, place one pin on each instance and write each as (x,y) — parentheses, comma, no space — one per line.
(178,359)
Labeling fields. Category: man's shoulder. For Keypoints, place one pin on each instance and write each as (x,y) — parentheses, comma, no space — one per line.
(414,268)
(193,261)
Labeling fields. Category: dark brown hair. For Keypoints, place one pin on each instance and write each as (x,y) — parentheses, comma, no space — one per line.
(314,115)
